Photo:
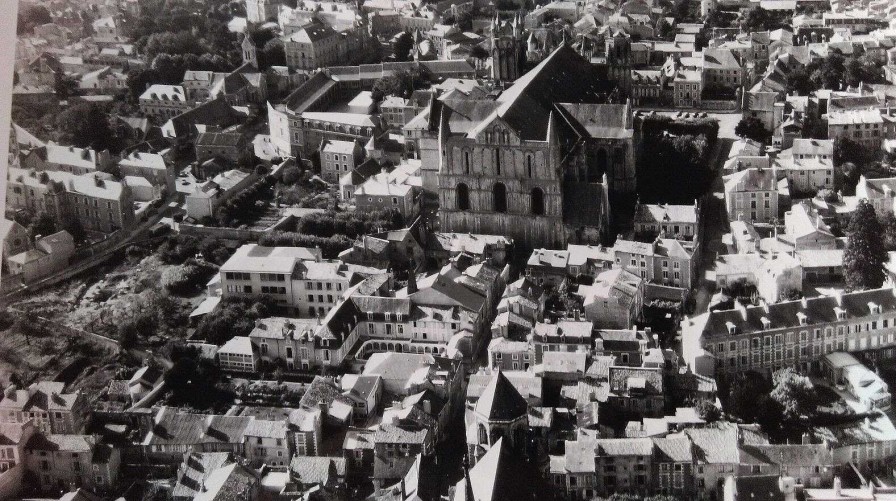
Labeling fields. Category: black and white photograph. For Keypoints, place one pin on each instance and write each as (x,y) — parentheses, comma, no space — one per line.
(448,250)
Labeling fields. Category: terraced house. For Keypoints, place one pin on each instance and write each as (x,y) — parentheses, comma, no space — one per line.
(791,334)
(52,409)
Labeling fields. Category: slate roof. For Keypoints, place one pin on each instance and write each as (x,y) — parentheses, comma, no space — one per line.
(784,314)
(501,401)
(44,395)
(758,488)
(665,213)
(388,433)
(752,179)
(624,447)
(716,445)
(317,470)
(499,475)
(673,449)
(195,470)
(563,77)
(790,455)
(527,384)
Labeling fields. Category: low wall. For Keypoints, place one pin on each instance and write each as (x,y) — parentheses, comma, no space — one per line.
(718,104)
(665,292)
(199,231)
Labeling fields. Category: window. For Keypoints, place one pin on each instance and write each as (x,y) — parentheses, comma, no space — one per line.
(537,200)
(462,197)
(499,198)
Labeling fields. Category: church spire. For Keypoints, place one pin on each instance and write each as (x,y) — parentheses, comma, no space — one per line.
(551,126)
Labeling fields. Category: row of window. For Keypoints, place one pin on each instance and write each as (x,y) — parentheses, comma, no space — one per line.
(320,298)
(499,199)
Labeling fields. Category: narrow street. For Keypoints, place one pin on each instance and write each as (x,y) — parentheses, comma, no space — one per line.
(715,215)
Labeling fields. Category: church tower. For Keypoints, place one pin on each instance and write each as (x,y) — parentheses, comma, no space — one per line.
(250,52)
(619,60)
(500,413)
(507,48)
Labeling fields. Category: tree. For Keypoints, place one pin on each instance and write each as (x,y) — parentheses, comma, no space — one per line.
(64,86)
(31,16)
(759,19)
(291,175)
(664,30)
(273,54)
(865,254)
(166,42)
(76,230)
(798,81)
(401,83)
(85,125)
(847,150)
(479,52)
(743,392)
(795,393)
(42,225)
(708,411)
(888,223)
(401,46)
(260,36)
(753,128)
(846,178)
(138,80)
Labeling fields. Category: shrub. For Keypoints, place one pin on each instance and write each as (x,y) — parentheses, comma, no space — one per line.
(185,279)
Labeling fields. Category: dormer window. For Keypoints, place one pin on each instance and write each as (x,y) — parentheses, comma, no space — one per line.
(874,308)
(801,317)
(732,329)
(766,323)
(841,313)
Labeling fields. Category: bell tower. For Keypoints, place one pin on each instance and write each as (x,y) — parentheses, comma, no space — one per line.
(619,60)
(507,48)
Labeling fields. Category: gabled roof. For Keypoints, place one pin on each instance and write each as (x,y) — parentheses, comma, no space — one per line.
(563,77)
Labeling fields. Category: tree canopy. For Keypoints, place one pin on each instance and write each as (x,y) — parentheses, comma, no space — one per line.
(401,46)
(753,128)
(31,16)
(795,393)
(42,225)
(402,83)
(865,254)
(86,125)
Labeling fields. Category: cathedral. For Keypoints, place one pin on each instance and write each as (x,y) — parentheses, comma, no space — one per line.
(537,163)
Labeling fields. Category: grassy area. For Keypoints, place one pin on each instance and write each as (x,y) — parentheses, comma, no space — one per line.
(81,364)
(124,292)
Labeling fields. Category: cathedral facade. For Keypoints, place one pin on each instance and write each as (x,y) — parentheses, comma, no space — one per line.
(260,11)
(537,163)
